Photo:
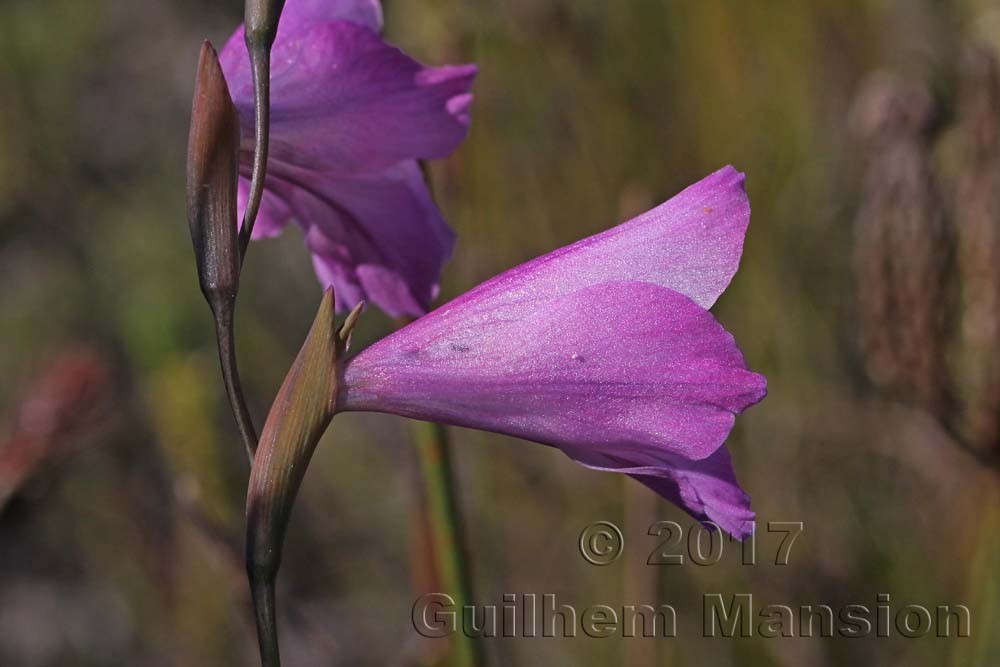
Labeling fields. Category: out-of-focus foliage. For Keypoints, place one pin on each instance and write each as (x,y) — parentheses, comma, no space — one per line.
(586,112)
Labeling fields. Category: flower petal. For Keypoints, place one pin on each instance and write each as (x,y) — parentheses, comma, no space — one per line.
(350,115)
(343,100)
(705,489)
(691,243)
(302,12)
(296,17)
(623,369)
(378,238)
(272,216)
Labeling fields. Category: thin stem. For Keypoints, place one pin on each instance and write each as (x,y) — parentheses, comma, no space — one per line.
(223,314)
(260,66)
(446,530)
(267,626)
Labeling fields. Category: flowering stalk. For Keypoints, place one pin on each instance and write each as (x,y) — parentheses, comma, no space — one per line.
(368,218)
(590,349)
(604,349)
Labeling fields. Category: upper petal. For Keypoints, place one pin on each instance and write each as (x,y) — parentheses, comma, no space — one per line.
(344,100)
(378,238)
(299,12)
(299,15)
(691,243)
(614,368)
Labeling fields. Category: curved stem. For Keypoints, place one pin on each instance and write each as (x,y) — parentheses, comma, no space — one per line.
(231,376)
(260,66)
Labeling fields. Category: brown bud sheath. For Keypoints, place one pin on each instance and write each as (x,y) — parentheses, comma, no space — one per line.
(212,164)
(213,161)
(301,411)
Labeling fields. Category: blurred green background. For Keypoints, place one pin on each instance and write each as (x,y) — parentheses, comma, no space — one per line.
(120,534)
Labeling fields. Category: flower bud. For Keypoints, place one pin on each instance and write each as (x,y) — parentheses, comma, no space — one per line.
(301,411)
(212,164)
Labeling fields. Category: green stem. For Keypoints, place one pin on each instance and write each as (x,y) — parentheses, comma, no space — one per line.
(447,535)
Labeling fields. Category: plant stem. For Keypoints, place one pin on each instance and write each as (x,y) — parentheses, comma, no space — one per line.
(447,534)
(267,623)
(260,62)
(231,376)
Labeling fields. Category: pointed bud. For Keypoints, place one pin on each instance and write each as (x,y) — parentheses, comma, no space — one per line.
(302,410)
(212,164)
(212,172)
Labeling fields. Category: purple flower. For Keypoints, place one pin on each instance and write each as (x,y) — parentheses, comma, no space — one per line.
(350,117)
(603,348)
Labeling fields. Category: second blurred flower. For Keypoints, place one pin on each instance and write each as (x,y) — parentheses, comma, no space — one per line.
(350,117)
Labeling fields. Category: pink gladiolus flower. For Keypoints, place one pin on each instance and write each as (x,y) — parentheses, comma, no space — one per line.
(603,349)
(350,117)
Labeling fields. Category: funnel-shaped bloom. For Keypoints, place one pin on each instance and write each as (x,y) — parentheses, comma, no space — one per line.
(350,117)
(603,348)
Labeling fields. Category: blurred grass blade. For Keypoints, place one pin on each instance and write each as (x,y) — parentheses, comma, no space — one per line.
(447,531)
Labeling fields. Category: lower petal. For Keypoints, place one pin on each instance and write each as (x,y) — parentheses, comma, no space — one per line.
(706,489)
(272,216)
(626,368)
